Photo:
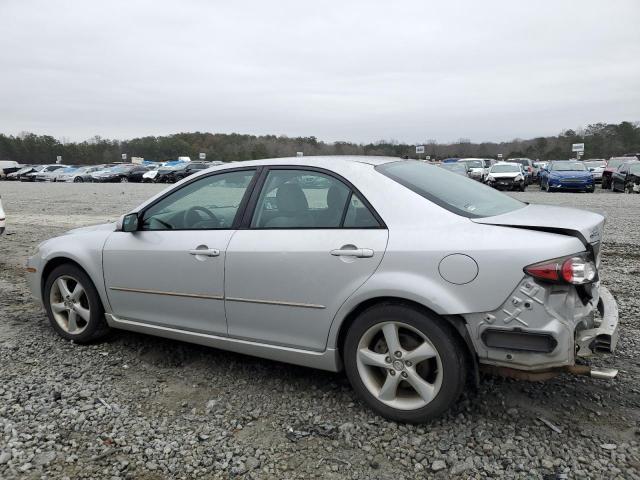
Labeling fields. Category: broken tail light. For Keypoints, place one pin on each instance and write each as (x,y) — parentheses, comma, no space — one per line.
(574,269)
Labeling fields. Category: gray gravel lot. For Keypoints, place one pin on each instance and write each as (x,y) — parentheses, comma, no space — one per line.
(149,408)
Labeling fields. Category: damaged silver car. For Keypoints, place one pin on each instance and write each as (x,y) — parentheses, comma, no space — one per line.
(409,277)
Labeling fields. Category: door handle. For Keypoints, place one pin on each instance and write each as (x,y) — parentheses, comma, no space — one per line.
(207,252)
(355,252)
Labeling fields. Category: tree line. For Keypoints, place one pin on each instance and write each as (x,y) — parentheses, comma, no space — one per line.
(601,140)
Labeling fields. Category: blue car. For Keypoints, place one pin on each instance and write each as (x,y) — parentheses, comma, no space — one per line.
(566,175)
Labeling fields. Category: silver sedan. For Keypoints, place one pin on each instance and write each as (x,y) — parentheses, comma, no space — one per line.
(409,277)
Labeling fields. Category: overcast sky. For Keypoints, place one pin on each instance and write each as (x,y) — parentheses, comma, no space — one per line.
(339,70)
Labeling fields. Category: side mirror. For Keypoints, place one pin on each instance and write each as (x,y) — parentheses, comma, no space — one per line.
(591,169)
(127,223)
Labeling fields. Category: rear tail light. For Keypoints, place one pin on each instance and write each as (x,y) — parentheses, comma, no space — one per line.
(575,269)
(530,169)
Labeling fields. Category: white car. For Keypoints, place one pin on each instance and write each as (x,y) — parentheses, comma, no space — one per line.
(596,167)
(3,218)
(507,176)
(476,166)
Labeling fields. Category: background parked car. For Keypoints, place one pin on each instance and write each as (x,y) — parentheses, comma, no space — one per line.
(54,175)
(30,176)
(150,175)
(476,168)
(529,170)
(612,164)
(46,174)
(455,167)
(507,176)
(596,167)
(165,173)
(17,174)
(76,174)
(7,167)
(566,175)
(627,177)
(120,173)
(183,171)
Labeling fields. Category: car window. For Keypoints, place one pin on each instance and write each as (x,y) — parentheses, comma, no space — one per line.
(208,203)
(306,199)
(453,192)
(358,215)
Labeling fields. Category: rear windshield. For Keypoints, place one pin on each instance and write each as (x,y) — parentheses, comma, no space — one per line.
(456,193)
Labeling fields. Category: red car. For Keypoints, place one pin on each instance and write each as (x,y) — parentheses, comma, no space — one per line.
(612,165)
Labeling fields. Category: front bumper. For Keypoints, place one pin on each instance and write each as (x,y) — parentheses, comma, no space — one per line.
(542,326)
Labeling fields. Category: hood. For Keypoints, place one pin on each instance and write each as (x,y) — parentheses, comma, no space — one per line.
(93,228)
(505,174)
(571,174)
(587,226)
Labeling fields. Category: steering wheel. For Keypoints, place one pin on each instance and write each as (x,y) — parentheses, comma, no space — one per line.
(192,217)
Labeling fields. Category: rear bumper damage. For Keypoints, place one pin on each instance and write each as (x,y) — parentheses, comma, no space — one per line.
(541,330)
(604,336)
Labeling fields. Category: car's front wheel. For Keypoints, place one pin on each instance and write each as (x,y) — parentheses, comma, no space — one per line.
(78,180)
(404,363)
(73,305)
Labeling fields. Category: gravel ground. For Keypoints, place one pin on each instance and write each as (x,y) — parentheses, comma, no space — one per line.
(144,407)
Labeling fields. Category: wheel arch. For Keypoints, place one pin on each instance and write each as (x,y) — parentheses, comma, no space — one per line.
(54,262)
(455,323)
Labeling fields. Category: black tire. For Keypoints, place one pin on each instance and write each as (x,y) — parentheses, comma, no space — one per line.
(97,327)
(78,180)
(124,180)
(606,184)
(452,355)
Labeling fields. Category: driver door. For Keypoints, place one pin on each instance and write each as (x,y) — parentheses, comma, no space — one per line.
(171,271)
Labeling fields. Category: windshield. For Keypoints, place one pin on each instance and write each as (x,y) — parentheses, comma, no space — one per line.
(520,161)
(616,162)
(504,169)
(455,193)
(594,164)
(568,167)
(474,163)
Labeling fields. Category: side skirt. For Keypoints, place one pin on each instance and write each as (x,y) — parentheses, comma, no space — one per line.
(327,360)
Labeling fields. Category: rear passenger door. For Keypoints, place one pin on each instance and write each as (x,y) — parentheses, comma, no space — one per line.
(310,240)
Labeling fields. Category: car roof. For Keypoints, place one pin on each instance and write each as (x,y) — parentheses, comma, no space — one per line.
(514,164)
(328,161)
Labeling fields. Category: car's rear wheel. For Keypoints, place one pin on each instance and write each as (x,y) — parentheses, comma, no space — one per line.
(124,180)
(78,180)
(404,363)
(606,184)
(73,305)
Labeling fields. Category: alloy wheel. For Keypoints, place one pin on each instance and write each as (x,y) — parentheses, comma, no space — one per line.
(399,365)
(70,305)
